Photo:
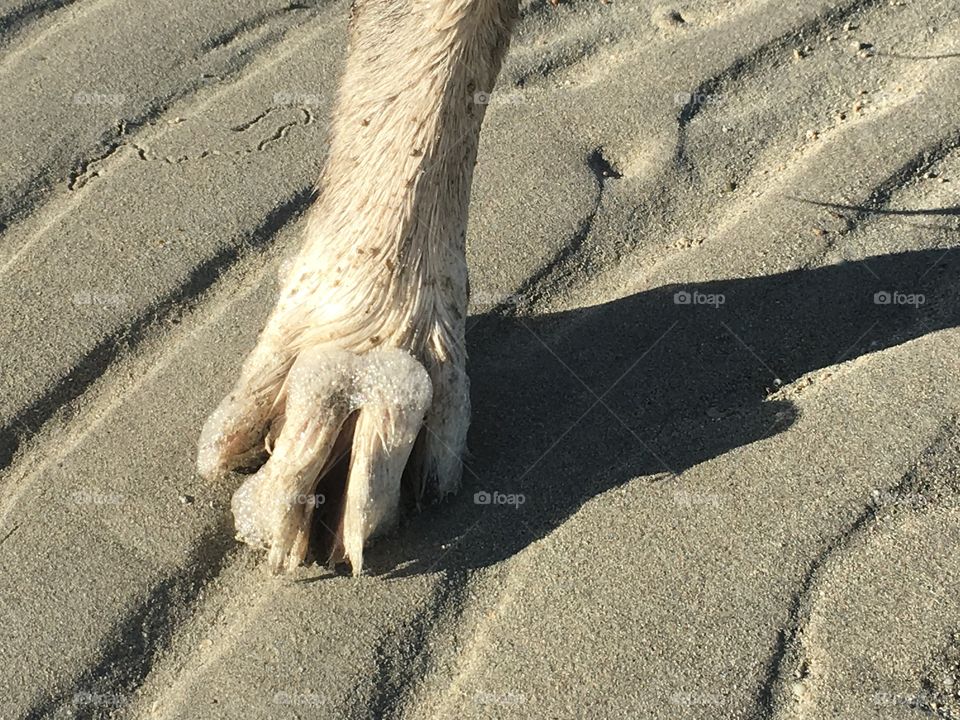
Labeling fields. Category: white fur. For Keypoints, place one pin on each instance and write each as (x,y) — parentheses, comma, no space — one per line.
(382,266)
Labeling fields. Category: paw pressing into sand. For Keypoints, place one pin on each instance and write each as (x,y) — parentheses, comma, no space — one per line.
(356,388)
(354,392)
(379,399)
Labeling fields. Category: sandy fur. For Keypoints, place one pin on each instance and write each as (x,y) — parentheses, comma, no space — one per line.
(382,264)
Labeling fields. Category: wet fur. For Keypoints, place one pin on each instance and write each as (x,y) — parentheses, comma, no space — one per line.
(382,263)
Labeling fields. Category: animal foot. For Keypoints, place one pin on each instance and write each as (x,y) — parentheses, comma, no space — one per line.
(342,429)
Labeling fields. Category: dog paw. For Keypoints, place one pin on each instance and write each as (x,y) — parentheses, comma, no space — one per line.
(341,429)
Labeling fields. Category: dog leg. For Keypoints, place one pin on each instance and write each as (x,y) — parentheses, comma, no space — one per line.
(381,275)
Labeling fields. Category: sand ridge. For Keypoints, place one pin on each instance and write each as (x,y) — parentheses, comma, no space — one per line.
(713,348)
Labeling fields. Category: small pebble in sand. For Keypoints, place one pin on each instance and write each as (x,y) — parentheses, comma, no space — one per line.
(812,134)
(848,26)
(667,17)
(845,222)
(186,499)
(819,232)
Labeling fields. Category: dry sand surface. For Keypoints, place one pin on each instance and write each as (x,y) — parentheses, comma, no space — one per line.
(742,506)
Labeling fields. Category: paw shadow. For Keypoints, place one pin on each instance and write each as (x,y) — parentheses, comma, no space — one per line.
(572,404)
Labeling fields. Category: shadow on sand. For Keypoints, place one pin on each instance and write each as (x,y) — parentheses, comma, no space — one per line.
(569,405)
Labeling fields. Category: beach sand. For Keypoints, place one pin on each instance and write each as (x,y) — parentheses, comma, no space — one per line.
(714,351)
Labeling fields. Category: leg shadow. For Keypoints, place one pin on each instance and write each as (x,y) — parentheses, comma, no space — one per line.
(572,404)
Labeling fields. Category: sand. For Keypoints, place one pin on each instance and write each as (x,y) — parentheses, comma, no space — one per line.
(714,351)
